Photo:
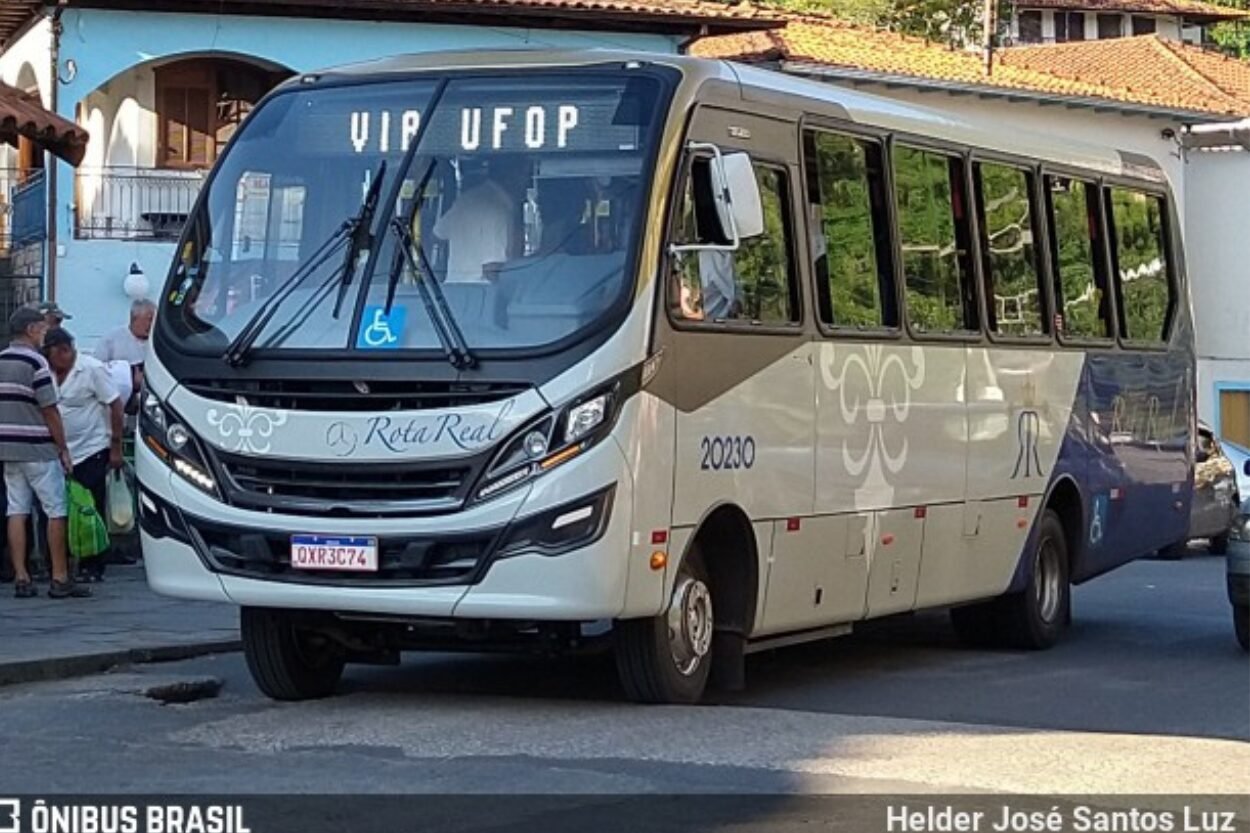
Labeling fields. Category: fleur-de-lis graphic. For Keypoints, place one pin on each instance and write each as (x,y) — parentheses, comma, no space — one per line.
(243,428)
(888,384)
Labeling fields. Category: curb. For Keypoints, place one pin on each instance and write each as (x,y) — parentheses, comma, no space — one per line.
(81,665)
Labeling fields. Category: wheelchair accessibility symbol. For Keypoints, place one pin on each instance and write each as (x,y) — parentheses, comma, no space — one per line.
(379,331)
(1098,520)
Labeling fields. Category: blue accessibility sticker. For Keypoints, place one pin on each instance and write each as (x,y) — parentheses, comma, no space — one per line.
(1098,520)
(379,331)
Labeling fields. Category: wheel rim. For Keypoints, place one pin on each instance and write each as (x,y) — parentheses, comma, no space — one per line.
(1048,583)
(689,624)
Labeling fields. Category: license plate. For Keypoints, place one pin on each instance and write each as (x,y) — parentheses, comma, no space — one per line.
(324,552)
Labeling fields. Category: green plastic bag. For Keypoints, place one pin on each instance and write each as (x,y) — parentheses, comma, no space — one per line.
(88,534)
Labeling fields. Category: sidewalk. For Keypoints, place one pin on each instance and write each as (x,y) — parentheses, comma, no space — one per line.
(42,639)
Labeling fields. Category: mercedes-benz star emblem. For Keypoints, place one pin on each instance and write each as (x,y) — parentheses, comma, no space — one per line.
(342,438)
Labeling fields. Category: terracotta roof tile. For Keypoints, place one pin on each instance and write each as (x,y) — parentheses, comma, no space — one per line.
(1185,8)
(1145,71)
(647,15)
(22,114)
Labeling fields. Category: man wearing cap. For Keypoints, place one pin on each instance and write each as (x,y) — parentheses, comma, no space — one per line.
(33,450)
(91,408)
(53,314)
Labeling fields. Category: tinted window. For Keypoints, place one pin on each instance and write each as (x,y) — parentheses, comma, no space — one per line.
(754,283)
(1110,26)
(1031,27)
(1007,240)
(933,231)
(1141,264)
(1076,252)
(850,231)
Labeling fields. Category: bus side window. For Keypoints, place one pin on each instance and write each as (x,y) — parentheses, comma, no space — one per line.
(1143,284)
(1076,251)
(756,283)
(936,242)
(850,231)
(1013,283)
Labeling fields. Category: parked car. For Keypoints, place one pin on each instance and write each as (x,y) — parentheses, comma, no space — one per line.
(1239,590)
(1216,510)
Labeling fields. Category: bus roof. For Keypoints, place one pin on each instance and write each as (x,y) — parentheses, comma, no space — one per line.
(759,85)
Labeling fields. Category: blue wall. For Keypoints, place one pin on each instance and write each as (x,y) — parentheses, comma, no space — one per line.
(106,43)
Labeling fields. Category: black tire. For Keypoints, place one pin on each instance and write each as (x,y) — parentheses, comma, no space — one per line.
(1035,617)
(1241,626)
(286,662)
(645,656)
(1218,545)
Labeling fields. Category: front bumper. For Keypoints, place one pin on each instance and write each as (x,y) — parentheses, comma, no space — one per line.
(189,542)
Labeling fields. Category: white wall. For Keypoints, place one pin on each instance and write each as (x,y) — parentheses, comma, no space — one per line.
(1218,254)
(28,63)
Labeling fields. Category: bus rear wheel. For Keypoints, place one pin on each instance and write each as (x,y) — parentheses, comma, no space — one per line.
(666,658)
(288,662)
(1033,618)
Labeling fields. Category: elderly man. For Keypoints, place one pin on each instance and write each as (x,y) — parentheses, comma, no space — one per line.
(33,449)
(91,409)
(130,343)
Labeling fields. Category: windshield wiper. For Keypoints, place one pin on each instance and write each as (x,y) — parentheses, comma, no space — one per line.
(362,236)
(237,350)
(432,297)
(357,227)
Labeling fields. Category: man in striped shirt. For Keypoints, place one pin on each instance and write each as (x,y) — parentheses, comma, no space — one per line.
(33,450)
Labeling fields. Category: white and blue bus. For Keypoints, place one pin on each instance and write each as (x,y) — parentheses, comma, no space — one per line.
(538,351)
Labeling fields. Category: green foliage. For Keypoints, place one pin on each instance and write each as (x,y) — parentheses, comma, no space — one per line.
(1233,38)
(1140,255)
(956,22)
(931,256)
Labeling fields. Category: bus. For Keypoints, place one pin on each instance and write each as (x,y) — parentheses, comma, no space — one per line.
(555,352)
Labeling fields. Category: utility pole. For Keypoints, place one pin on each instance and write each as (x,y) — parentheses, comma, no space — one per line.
(990,15)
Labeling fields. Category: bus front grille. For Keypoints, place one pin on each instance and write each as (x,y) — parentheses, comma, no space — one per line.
(353,395)
(459,558)
(346,489)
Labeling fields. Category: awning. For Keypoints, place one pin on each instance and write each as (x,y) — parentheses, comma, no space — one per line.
(22,114)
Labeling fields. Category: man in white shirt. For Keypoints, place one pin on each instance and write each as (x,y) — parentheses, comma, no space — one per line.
(479,229)
(130,343)
(91,409)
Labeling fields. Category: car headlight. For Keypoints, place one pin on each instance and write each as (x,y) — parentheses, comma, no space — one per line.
(550,441)
(169,439)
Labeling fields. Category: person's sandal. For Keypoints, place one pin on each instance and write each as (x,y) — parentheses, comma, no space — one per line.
(68,590)
(25,590)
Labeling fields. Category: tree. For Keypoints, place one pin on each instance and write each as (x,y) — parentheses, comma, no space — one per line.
(1233,38)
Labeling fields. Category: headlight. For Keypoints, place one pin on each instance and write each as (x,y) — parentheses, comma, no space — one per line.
(581,419)
(173,442)
(550,441)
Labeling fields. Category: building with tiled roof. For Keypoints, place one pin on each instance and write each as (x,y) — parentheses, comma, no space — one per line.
(1147,74)
(1064,21)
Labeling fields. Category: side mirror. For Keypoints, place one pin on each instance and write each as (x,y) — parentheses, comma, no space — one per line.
(738,204)
(727,198)
(1246,468)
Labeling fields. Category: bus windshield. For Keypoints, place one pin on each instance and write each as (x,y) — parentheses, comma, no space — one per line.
(519,206)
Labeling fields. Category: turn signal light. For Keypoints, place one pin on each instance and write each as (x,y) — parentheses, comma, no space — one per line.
(659,560)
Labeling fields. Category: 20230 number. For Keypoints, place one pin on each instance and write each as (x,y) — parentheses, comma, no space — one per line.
(727,453)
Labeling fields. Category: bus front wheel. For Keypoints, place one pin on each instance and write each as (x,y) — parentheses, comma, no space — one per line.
(1033,618)
(666,658)
(288,662)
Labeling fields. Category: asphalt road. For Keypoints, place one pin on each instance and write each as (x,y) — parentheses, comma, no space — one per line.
(1149,694)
